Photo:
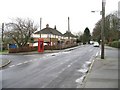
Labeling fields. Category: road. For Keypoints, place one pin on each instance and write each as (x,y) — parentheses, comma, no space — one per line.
(54,70)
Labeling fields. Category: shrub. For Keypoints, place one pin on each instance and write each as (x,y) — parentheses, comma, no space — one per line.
(115,44)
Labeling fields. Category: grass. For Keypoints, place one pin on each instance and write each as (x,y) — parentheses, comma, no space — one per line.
(4,52)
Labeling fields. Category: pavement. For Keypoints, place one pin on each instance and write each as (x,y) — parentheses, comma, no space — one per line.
(103,73)
(4,62)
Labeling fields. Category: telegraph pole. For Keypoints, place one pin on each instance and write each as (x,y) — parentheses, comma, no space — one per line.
(2,37)
(68,27)
(2,31)
(40,26)
(103,29)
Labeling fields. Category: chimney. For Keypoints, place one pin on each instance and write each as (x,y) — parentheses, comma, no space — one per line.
(47,26)
(68,24)
(55,27)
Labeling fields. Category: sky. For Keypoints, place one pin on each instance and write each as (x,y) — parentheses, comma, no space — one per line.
(56,12)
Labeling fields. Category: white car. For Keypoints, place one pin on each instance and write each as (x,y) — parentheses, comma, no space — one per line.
(96,44)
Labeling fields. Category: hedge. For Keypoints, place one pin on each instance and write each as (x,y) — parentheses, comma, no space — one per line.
(115,44)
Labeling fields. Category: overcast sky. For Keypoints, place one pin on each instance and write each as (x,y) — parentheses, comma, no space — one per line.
(55,12)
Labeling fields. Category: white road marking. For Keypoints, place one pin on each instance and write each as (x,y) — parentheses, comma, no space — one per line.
(25,62)
(63,69)
(97,54)
(19,64)
(69,66)
(30,60)
(100,52)
(12,66)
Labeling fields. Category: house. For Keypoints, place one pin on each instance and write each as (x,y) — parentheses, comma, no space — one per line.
(69,38)
(51,36)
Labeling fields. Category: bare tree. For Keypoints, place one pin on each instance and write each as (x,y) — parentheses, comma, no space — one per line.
(111,28)
(20,31)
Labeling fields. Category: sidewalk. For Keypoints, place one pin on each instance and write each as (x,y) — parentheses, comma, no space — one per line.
(4,62)
(104,73)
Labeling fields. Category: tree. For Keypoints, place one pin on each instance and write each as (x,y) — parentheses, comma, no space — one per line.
(20,31)
(79,36)
(86,35)
(111,28)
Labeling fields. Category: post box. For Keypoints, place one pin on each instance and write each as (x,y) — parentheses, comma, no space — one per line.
(40,45)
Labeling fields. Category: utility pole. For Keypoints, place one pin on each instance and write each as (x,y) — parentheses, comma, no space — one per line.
(2,31)
(68,27)
(40,26)
(103,29)
(2,37)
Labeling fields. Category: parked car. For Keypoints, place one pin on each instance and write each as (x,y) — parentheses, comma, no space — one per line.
(96,44)
(91,42)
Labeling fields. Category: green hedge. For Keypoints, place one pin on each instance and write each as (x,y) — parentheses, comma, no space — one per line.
(115,44)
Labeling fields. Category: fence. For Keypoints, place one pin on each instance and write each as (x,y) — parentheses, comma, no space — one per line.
(22,49)
(59,47)
(29,49)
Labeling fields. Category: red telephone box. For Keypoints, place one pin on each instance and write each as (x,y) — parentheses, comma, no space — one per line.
(40,45)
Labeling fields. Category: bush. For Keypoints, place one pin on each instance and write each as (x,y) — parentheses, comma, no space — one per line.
(115,44)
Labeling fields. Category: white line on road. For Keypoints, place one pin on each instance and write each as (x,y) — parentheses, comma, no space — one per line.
(96,54)
(12,66)
(19,64)
(25,62)
(30,60)
(69,66)
(100,52)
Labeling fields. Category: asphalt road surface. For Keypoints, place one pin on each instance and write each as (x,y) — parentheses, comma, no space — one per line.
(54,70)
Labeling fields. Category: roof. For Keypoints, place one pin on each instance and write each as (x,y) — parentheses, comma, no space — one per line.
(49,30)
(68,34)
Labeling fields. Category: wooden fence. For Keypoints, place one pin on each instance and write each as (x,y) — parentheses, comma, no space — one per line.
(29,49)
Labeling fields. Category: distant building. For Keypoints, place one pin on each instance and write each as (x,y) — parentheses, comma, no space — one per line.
(50,35)
(69,37)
